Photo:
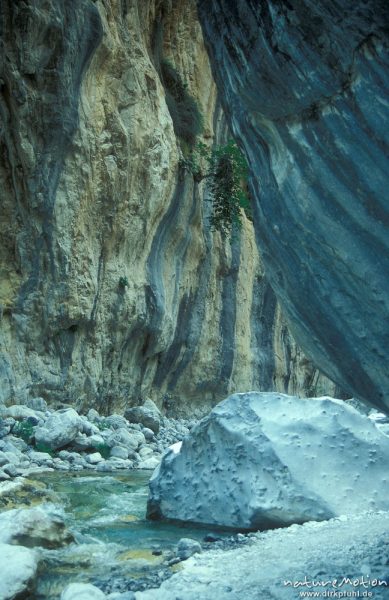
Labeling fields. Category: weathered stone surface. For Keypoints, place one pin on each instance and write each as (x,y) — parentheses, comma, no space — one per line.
(265,460)
(82,442)
(119,452)
(186,547)
(60,429)
(18,567)
(94,458)
(150,463)
(40,457)
(147,415)
(112,286)
(19,413)
(305,89)
(38,526)
(129,439)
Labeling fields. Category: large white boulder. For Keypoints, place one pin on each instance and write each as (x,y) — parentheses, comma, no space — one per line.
(263,460)
(60,429)
(18,567)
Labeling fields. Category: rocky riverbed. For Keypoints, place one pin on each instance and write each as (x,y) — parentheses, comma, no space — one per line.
(34,439)
(74,489)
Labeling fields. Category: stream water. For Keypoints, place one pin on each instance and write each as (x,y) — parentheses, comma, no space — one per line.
(114,543)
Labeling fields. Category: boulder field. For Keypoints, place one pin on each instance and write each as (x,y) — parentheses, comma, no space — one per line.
(265,460)
(33,440)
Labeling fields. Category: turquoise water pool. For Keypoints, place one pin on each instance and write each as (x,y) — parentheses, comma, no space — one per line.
(113,539)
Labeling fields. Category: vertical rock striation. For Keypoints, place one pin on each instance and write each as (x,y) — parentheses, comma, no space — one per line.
(113,287)
(305,85)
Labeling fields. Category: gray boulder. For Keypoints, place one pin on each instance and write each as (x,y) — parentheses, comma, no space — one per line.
(149,464)
(5,426)
(122,437)
(83,442)
(187,547)
(40,458)
(15,444)
(119,452)
(4,458)
(89,428)
(11,470)
(117,463)
(93,415)
(18,568)
(145,452)
(115,421)
(39,526)
(60,429)
(266,460)
(147,415)
(148,433)
(19,412)
(94,459)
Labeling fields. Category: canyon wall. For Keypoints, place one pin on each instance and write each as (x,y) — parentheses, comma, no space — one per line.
(113,287)
(304,85)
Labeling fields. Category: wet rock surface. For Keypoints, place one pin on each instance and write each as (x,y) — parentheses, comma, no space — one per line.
(304,86)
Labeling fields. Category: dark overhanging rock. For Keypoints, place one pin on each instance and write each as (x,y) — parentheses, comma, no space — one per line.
(303,85)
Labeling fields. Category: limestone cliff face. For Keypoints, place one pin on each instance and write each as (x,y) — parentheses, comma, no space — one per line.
(113,286)
(305,86)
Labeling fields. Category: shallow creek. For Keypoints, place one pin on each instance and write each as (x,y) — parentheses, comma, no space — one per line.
(114,543)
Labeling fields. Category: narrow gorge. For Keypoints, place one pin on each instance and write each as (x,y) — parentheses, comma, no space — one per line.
(194,299)
(113,286)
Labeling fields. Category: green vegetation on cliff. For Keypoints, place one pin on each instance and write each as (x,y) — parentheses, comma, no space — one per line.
(226,169)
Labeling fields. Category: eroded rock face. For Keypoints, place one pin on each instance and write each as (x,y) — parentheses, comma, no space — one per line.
(304,87)
(264,460)
(112,286)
